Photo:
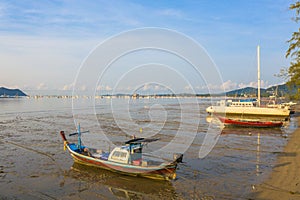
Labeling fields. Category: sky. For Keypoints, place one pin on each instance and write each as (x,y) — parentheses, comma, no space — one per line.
(44,44)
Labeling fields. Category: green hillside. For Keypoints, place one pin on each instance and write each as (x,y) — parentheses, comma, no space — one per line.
(5,92)
(280,90)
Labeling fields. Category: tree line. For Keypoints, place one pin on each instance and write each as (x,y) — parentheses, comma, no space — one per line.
(293,72)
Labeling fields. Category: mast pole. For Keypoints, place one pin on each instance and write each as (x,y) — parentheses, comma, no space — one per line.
(79,136)
(258,75)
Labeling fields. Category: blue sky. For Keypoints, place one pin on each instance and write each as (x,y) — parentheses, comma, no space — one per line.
(43,43)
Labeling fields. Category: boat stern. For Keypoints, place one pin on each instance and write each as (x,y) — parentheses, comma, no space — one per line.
(177,157)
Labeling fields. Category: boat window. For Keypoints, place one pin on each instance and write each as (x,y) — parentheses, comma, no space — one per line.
(123,155)
(139,150)
(116,154)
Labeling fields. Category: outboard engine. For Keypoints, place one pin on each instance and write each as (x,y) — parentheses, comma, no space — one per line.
(177,157)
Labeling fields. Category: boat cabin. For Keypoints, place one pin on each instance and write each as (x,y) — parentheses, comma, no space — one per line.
(129,154)
(238,103)
(119,155)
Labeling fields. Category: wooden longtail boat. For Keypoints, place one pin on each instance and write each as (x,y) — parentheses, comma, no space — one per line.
(249,123)
(127,159)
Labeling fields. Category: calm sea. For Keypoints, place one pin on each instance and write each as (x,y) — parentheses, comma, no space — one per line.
(33,164)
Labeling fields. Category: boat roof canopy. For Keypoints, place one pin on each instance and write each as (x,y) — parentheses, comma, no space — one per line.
(140,140)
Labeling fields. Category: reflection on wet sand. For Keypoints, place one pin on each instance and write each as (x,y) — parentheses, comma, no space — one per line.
(256,133)
(251,131)
(122,186)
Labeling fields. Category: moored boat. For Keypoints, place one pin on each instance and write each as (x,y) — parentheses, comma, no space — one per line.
(250,108)
(249,123)
(251,112)
(127,159)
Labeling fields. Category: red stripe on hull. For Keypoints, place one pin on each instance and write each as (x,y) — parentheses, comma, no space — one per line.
(245,123)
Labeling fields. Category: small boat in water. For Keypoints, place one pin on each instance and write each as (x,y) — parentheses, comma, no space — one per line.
(249,123)
(127,159)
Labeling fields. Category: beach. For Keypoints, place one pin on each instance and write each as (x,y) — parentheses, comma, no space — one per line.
(284,180)
(33,164)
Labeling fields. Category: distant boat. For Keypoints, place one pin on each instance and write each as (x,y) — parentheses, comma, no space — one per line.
(288,106)
(249,123)
(275,102)
(127,159)
(250,108)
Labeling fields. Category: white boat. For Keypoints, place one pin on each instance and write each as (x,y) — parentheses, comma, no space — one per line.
(275,102)
(250,108)
(288,106)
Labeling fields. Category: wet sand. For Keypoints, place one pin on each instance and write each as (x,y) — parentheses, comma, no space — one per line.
(33,164)
(284,180)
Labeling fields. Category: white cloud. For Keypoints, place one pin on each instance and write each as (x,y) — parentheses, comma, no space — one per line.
(263,84)
(212,87)
(228,85)
(154,87)
(42,86)
(188,88)
(146,87)
(83,88)
(158,87)
(68,86)
(104,87)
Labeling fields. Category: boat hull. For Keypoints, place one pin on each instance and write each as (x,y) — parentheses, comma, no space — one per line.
(246,123)
(153,169)
(161,172)
(251,112)
(164,172)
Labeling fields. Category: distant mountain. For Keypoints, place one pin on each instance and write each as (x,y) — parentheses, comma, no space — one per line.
(280,90)
(5,92)
(250,91)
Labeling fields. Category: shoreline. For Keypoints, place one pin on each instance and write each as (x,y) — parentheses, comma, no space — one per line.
(284,180)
